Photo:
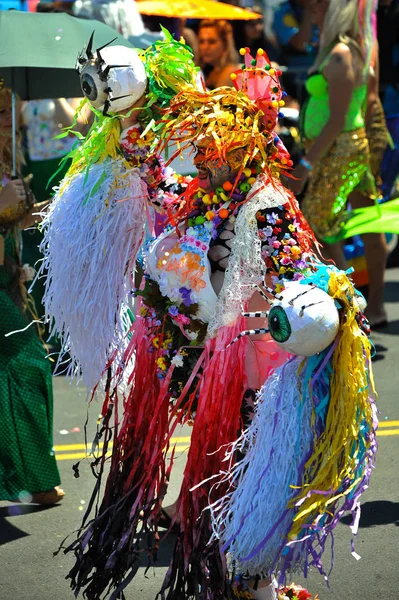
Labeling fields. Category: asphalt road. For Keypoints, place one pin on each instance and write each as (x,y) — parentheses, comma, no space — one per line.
(29,535)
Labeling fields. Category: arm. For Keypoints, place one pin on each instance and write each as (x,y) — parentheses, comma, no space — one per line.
(340,76)
(302,38)
(31,217)
(65,111)
(10,195)
(373,85)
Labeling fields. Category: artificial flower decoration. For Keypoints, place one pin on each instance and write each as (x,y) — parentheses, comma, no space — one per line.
(295,592)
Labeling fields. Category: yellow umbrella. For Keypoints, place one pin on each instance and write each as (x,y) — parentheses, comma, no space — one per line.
(194,9)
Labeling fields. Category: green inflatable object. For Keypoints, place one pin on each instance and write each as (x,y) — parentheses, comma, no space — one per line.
(380,218)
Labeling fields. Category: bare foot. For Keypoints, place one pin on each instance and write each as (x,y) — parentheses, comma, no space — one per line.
(48,498)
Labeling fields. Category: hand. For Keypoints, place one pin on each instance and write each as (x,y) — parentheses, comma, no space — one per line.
(301,174)
(12,194)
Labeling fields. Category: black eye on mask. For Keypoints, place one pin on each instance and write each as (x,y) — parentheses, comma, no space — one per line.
(93,87)
(88,86)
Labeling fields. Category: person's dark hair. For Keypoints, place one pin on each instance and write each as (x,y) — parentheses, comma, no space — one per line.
(241,40)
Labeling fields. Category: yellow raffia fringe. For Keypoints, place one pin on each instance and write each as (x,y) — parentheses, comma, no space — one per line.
(207,119)
(337,451)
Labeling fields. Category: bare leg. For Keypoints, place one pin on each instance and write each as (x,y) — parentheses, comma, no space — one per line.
(375,253)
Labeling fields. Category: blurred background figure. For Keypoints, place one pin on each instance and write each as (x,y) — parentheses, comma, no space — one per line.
(374,244)
(28,469)
(43,120)
(297,37)
(337,157)
(121,15)
(178,27)
(65,6)
(255,34)
(217,54)
(388,39)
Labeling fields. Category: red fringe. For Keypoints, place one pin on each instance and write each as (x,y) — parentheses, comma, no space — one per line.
(109,549)
(217,423)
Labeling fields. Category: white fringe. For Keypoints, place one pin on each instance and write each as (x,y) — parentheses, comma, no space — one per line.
(274,446)
(90,245)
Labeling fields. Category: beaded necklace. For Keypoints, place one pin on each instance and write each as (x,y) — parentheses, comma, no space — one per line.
(223,202)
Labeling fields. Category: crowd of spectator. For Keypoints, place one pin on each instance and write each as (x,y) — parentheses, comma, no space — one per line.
(285,29)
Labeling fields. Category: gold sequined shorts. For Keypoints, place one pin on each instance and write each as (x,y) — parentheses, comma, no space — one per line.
(332,179)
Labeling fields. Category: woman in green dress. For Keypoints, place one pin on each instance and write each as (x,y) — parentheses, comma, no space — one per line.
(28,469)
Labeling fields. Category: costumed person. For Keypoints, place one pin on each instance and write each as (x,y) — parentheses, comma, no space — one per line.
(333,123)
(103,209)
(28,469)
(317,314)
(231,223)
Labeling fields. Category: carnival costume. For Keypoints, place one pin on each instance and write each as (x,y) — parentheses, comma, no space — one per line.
(27,461)
(188,358)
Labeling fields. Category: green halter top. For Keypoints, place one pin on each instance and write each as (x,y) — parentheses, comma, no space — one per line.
(317,110)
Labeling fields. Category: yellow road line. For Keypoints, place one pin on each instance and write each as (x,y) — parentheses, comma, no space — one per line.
(66,447)
(80,455)
(178,449)
(69,451)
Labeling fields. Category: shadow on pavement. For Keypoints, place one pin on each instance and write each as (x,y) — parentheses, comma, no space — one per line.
(8,531)
(392,328)
(378,512)
(165,552)
(379,352)
(391,291)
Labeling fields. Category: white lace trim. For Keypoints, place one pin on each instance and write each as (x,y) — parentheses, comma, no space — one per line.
(246,266)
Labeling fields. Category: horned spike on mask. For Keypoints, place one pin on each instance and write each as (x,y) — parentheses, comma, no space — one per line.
(119,97)
(105,45)
(89,47)
(99,60)
(104,74)
(107,104)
